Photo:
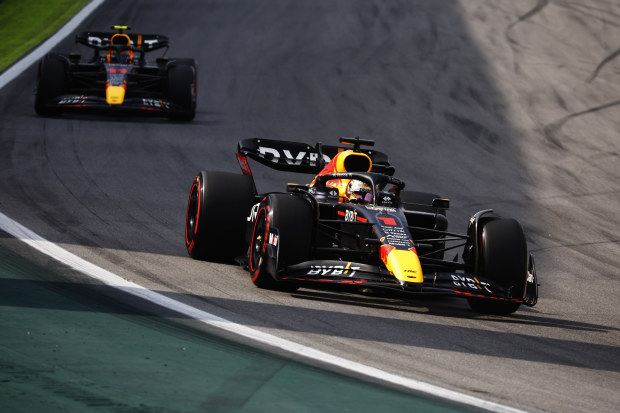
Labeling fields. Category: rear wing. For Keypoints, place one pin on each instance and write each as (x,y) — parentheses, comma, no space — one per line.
(146,42)
(300,157)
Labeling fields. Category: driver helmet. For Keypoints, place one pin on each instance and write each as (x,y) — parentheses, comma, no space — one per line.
(359,190)
(120,39)
(125,56)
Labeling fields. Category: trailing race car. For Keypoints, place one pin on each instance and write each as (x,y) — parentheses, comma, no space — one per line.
(353,226)
(117,77)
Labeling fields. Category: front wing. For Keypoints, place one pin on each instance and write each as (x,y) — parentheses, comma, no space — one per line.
(153,106)
(351,274)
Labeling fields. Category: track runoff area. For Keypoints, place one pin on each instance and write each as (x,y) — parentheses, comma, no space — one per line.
(65,257)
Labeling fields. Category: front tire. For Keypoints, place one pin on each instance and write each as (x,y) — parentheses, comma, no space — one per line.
(216,221)
(282,236)
(503,259)
(50,84)
(182,88)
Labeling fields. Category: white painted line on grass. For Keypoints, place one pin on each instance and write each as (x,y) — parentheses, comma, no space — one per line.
(23,64)
(60,254)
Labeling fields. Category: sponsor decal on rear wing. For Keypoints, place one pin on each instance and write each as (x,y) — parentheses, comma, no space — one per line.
(301,157)
(146,42)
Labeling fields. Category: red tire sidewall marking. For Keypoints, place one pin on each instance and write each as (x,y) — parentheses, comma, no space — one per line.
(258,217)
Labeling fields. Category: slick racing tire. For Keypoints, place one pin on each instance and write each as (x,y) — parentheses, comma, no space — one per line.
(504,260)
(216,217)
(182,86)
(282,236)
(51,81)
(422,202)
(424,199)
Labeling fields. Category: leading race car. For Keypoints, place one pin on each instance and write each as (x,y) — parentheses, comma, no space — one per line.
(117,77)
(354,227)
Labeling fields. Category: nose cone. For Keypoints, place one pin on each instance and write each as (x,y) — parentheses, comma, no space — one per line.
(115,95)
(404,264)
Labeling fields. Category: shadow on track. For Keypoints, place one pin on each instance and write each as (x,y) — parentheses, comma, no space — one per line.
(98,298)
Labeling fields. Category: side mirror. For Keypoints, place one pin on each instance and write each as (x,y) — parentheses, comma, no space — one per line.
(441,203)
(295,187)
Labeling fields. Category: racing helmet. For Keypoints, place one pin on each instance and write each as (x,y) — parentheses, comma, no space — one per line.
(120,39)
(120,55)
(358,191)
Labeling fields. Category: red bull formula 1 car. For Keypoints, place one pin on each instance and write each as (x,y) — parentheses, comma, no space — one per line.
(354,227)
(117,77)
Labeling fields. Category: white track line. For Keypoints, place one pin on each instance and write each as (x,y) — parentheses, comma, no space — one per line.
(23,64)
(60,254)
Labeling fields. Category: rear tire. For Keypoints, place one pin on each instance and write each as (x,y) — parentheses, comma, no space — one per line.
(182,88)
(425,201)
(50,84)
(215,223)
(291,217)
(504,260)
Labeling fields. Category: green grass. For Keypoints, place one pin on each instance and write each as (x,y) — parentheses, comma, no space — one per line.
(26,23)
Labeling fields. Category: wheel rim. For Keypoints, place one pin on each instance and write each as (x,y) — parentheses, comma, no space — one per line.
(258,242)
(192,214)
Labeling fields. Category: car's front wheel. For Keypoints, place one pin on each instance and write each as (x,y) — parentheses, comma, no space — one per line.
(504,260)
(282,236)
(182,88)
(50,84)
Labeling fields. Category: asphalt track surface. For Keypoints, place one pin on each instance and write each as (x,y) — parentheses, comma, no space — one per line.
(507,105)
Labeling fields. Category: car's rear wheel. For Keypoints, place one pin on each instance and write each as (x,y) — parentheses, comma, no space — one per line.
(504,260)
(50,84)
(422,202)
(282,236)
(182,88)
(215,224)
